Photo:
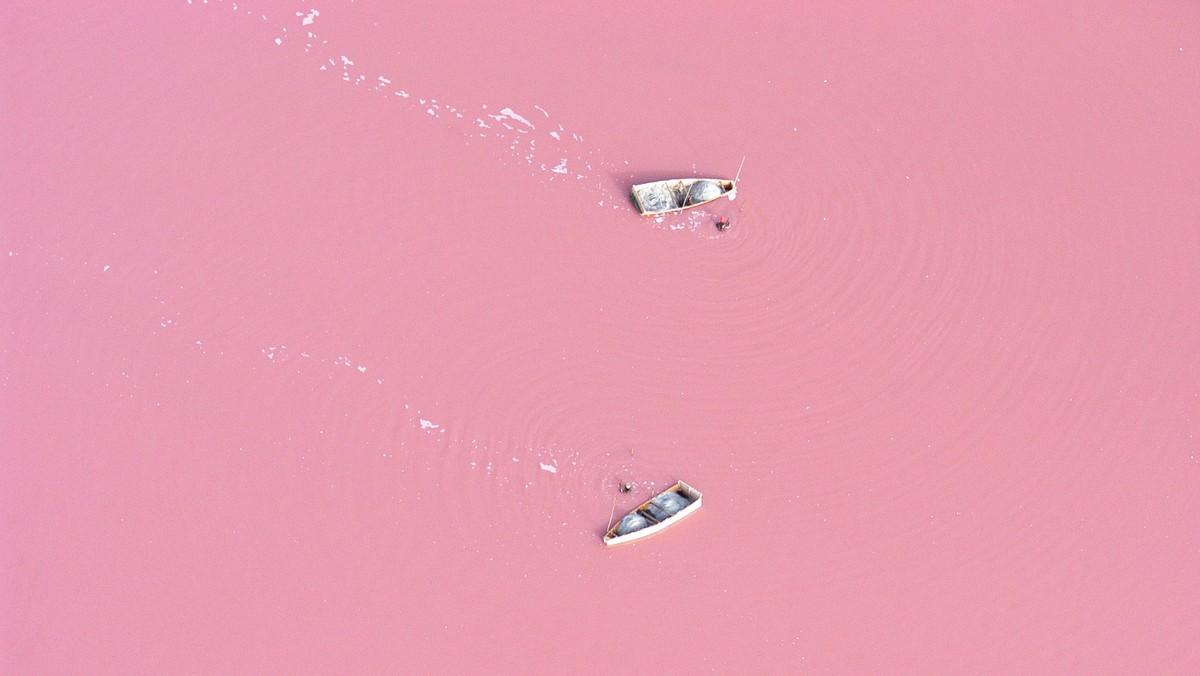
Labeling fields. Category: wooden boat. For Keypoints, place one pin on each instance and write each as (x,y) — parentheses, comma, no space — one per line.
(677,194)
(655,515)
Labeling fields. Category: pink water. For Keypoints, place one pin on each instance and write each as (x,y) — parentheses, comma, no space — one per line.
(301,374)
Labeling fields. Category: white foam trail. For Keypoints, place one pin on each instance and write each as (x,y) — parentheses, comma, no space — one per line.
(509,112)
(515,130)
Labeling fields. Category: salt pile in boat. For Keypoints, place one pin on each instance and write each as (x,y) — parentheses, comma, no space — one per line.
(631,523)
(702,191)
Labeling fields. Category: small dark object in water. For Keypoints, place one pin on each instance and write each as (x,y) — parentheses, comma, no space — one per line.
(723,223)
(626,487)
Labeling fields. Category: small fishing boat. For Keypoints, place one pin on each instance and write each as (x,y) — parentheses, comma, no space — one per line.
(655,515)
(663,197)
(677,194)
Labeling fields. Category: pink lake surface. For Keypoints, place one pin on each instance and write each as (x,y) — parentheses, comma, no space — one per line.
(328,331)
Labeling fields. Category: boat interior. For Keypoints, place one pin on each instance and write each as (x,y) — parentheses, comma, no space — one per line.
(667,195)
(653,511)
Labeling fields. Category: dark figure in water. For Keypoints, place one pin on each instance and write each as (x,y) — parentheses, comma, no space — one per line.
(723,223)
(626,487)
